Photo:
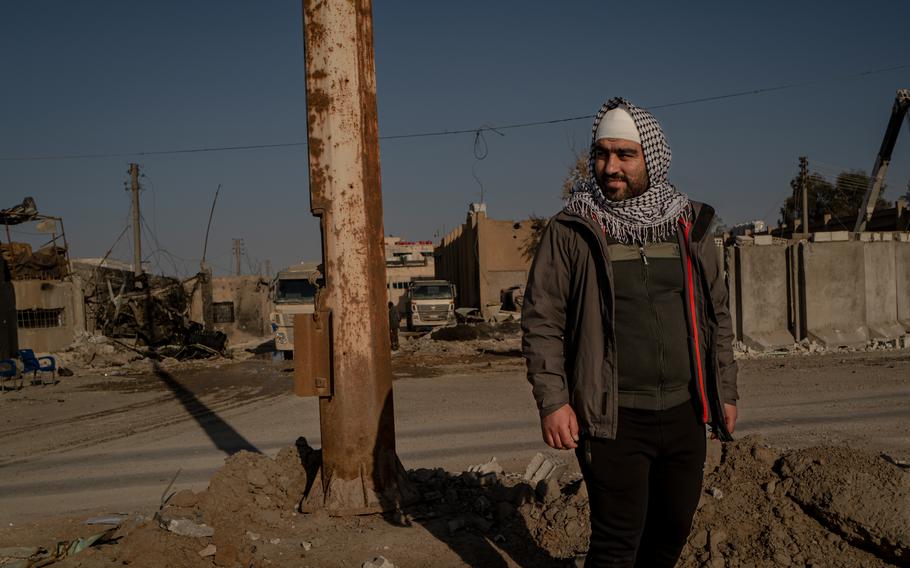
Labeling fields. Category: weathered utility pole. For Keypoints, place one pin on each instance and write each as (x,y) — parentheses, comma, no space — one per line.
(360,470)
(238,251)
(137,233)
(804,188)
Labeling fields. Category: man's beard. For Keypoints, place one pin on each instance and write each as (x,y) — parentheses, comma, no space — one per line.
(633,188)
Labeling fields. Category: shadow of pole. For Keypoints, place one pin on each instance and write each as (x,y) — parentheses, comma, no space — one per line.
(477,521)
(221,433)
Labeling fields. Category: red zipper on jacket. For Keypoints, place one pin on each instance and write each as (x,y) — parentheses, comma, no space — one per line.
(692,310)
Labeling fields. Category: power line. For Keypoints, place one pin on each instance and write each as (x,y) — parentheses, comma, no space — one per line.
(474,131)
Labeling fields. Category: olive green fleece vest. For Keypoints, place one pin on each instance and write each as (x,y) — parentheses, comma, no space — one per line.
(652,344)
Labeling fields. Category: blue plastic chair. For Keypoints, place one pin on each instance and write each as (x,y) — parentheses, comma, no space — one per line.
(8,370)
(32,364)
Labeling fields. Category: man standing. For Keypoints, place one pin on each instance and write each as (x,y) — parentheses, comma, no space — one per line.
(394,325)
(628,341)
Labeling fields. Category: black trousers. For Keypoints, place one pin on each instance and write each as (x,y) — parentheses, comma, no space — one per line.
(643,487)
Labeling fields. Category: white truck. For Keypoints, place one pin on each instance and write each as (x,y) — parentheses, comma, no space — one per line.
(293,291)
(430,303)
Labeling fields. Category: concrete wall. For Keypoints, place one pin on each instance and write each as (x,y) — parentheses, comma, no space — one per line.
(64,296)
(902,279)
(456,261)
(881,291)
(249,296)
(832,279)
(501,261)
(761,283)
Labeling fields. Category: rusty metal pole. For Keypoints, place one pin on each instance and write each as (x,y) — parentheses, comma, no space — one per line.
(360,471)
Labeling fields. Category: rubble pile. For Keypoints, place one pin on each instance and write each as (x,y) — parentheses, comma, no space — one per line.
(832,507)
(467,340)
(95,351)
(809,347)
(99,353)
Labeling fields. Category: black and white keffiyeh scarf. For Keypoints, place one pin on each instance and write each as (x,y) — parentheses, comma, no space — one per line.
(649,217)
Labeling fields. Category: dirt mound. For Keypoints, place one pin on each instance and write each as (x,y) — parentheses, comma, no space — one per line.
(832,507)
(817,507)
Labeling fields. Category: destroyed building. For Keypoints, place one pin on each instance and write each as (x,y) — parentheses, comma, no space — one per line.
(485,257)
(240,307)
(48,300)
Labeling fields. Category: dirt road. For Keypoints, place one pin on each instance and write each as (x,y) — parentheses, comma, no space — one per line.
(108,444)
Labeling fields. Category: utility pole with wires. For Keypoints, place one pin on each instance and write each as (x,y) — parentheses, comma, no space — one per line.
(238,253)
(137,229)
(804,188)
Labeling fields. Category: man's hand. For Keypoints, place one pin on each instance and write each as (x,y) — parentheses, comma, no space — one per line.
(560,429)
(730,413)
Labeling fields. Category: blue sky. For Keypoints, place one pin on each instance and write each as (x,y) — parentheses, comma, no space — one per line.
(117,77)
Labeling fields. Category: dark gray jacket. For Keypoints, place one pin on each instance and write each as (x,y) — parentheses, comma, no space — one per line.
(569,338)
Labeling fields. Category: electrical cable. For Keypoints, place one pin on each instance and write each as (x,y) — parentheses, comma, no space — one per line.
(475,131)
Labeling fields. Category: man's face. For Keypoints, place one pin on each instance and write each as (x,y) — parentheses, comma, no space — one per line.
(619,166)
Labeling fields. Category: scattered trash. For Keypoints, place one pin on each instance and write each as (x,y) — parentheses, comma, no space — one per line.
(36,557)
(108,520)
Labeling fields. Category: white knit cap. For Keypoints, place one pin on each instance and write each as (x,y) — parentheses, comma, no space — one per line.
(617,123)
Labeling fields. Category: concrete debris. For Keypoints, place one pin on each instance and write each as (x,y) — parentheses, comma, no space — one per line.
(826,506)
(491,466)
(377,562)
(209,550)
(808,347)
(186,527)
(542,467)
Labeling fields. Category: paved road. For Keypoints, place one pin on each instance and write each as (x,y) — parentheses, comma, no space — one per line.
(74,449)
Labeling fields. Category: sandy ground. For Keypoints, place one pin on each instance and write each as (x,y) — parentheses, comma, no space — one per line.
(94,445)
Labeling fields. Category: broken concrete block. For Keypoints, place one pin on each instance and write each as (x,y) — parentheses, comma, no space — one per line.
(534,465)
(186,527)
(491,466)
(209,550)
(763,240)
(902,237)
(542,467)
(865,237)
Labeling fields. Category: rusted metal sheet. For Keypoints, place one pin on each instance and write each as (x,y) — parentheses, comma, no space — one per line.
(361,472)
(312,354)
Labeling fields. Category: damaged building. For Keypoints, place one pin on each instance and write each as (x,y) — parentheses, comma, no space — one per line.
(48,300)
(485,258)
